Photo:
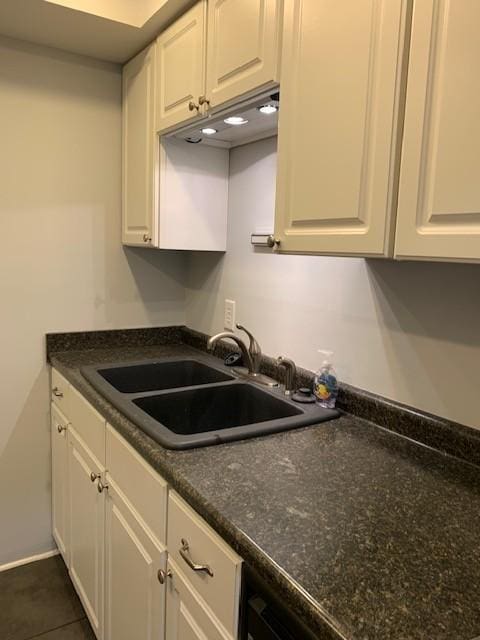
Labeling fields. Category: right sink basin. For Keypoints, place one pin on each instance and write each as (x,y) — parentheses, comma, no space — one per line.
(215,408)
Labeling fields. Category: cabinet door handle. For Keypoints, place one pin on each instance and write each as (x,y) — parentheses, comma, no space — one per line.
(101,486)
(185,553)
(163,575)
(192,106)
(61,428)
(203,100)
(146,237)
(94,476)
(56,392)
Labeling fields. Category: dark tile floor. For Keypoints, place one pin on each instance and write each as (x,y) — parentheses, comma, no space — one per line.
(38,600)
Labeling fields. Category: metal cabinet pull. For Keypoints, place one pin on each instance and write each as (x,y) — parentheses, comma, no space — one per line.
(163,575)
(146,237)
(203,100)
(101,486)
(60,428)
(56,392)
(185,553)
(192,106)
(94,476)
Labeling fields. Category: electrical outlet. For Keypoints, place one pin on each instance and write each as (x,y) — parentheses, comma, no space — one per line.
(229,315)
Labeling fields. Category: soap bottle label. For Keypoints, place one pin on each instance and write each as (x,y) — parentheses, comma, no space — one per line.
(326,389)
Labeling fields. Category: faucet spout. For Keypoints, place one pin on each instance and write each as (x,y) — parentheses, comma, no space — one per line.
(231,336)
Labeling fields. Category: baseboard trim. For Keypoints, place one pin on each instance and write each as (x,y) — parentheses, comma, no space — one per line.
(19,563)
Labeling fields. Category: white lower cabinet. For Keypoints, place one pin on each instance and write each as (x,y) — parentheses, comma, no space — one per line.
(212,568)
(110,514)
(135,574)
(188,618)
(60,482)
(87,529)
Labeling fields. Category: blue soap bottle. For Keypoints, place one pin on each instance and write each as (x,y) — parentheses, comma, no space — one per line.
(325,385)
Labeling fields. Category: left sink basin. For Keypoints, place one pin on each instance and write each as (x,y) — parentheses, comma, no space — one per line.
(157,376)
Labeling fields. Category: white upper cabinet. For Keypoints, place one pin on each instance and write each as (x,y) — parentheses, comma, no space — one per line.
(139,219)
(340,100)
(439,196)
(243,47)
(181,69)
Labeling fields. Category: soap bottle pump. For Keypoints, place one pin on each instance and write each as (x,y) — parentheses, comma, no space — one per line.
(325,385)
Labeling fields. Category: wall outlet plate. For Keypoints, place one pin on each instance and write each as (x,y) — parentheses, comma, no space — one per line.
(229,315)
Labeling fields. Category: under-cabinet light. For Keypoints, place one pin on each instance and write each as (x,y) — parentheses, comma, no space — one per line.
(235,120)
(268,109)
(209,131)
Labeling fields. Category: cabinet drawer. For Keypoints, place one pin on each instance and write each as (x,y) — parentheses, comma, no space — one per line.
(220,591)
(187,616)
(60,391)
(140,484)
(88,423)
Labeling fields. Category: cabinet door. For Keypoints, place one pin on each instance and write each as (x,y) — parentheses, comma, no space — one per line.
(135,597)
(188,618)
(341,82)
(180,69)
(139,137)
(87,524)
(243,47)
(60,482)
(439,195)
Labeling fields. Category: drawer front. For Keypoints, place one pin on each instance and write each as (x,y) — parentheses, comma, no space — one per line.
(220,591)
(88,423)
(60,392)
(187,616)
(141,485)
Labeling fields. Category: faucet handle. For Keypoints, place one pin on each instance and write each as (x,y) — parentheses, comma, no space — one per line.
(290,374)
(253,348)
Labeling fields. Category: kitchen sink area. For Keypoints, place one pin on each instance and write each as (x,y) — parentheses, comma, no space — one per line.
(195,402)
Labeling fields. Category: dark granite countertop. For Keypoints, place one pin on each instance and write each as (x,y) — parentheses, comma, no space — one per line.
(366,534)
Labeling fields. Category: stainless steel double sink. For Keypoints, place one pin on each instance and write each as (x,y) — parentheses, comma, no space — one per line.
(192,402)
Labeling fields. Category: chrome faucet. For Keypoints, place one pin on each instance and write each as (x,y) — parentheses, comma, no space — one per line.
(243,347)
(253,349)
(290,374)
(252,356)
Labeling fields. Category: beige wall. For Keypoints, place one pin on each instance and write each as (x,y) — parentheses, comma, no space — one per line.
(409,331)
(62,266)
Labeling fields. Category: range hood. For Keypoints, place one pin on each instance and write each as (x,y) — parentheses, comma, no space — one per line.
(259,118)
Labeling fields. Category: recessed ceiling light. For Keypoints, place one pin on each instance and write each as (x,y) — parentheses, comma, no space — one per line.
(235,120)
(268,109)
(209,131)
(193,140)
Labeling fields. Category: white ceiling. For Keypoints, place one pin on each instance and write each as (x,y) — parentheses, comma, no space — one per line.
(112,30)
